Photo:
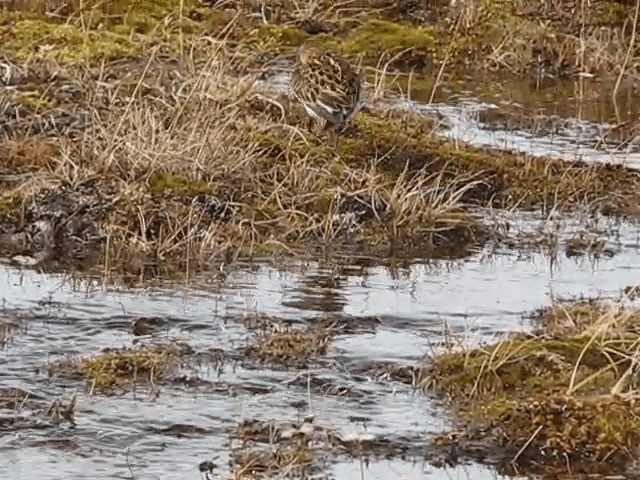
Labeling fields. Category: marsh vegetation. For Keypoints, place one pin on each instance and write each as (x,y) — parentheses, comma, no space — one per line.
(151,142)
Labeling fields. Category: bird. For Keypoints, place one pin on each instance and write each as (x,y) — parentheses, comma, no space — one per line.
(326,85)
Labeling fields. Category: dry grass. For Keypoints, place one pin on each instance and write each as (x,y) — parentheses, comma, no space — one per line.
(289,346)
(24,411)
(567,392)
(513,36)
(181,159)
(268,448)
(555,37)
(280,460)
(7,331)
(113,370)
(16,398)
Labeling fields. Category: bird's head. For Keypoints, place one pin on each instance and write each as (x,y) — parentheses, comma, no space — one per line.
(309,52)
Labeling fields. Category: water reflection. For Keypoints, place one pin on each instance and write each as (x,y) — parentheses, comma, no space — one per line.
(572,144)
(321,290)
(582,98)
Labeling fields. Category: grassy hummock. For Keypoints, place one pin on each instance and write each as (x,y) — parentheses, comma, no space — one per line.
(114,370)
(288,346)
(564,393)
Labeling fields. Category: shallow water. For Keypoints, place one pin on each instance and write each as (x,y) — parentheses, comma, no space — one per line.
(123,437)
(584,98)
(572,143)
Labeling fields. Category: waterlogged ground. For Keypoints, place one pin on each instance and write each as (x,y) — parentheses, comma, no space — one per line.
(577,118)
(276,369)
(94,173)
(390,318)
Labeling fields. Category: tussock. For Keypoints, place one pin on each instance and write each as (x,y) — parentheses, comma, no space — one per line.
(565,393)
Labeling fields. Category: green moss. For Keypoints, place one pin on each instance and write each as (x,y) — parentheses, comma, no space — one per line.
(157,9)
(323,203)
(277,148)
(31,37)
(108,31)
(135,23)
(170,183)
(10,202)
(275,38)
(144,18)
(552,392)
(520,366)
(35,101)
(115,369)
(378,36)
(612,13)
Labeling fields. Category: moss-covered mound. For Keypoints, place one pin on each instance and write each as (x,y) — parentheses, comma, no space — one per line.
(554,37)
(565,393)
(115,369)
(289,347)
(551,38)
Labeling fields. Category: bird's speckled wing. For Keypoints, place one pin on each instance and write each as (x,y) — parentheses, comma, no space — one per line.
(340,92)
(327,87)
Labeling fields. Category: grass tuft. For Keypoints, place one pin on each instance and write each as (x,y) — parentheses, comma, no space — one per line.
(566,392)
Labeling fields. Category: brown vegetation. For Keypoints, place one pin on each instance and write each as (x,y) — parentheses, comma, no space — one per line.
(28,410)
(151,148)
(289,346)
(113,370)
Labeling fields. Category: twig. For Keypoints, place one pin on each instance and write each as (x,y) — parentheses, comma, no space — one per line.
(527,443)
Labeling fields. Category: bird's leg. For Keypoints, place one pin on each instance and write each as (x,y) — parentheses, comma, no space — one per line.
(310,124)
(321,125)
(336,131)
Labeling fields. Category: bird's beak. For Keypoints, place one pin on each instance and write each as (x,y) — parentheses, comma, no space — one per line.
(289,55)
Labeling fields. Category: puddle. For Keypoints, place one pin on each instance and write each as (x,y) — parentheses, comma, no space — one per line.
(581,97)
(194,417)
(573,143)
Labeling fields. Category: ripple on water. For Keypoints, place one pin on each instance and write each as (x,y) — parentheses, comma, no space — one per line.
(114,436)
